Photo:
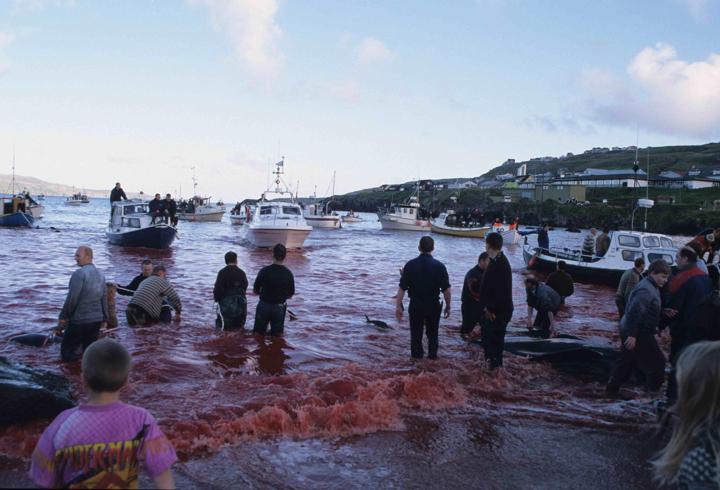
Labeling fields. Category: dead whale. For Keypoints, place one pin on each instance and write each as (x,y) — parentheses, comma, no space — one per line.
(27,394)
(36,339)
(378,323)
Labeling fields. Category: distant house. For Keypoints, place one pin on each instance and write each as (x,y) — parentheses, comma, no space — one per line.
(593,177)
(425,185)
(665,200)
(488,183)
(559,192)
(438,187)
(687,182)
(505,177)
(462,184)
(509,161)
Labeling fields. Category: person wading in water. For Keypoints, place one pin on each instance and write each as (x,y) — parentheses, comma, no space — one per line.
(470,298)
(275,284)
(424,278)
(146,271)
(229,294)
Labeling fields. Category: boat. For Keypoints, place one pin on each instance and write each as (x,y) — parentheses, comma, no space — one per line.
(276,222)
(37,210)
(242,212)
(351,217)
(15,213)
(407,217)
(131,226)
(199,208)
(319,215)
(509,232)
(447,224)
(41,197)
(77,200)
(625,247)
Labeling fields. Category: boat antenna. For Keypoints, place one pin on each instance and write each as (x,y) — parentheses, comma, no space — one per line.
(647,188)
(636,164)
(194,181)
(13,175)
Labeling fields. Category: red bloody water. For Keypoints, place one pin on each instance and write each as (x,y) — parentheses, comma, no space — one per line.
(335,402)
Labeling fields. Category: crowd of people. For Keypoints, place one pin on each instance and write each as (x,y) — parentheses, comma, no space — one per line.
(161,210)
(685,302)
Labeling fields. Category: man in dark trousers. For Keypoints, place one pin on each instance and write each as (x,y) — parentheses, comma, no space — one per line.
(170,210)
(561,281)
(685,293)
(146,271)
(546,301)
(155,207)
(229,293)
(544,238)
(637,333)
(424,278)
(471,312)
(275,284)
(496,301)
(117,194)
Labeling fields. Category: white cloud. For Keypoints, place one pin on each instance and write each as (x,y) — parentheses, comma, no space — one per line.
(661,92)
(372,50)
(252,28)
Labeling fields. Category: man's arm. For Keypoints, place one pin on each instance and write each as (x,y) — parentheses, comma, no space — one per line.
(122,194)
(257,286)
(399,303)
(71,300)
(104,301)
(291,290)
(217,289)
(173,299)
(529,316)
(448,298)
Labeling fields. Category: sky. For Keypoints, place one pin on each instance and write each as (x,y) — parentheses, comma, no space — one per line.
(141,91)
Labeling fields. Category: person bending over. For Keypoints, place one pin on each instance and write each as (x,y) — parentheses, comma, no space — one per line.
(147,305)
(546,301)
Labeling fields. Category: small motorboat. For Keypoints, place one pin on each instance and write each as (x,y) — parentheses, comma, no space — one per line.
(15,213)
(41,197)
(508,232)
(241,213)
(448,224)
(407,217)
(351,217)
(199,208)
(77,200)
(131,225)
(320,216)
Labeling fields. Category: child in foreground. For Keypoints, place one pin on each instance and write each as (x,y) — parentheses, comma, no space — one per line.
(101,443)
(691,460)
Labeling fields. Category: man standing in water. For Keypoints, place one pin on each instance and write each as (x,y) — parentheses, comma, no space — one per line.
(229,294)
(85,310)
(275,284)
(496,301)
(470,298)
(628,281)
(130,289)
(424,278)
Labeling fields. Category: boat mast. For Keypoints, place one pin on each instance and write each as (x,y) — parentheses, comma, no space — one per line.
(194,181)
(13,175)
(647,188)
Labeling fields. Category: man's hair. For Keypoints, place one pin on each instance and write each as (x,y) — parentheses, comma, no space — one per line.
(531,281)
(606,229)
(494,240)
(561,265)
(117,183)
(158,268)
(697,248)
(639,262)
(659,266)
(689,254)
(146,262)
(279,252)
(483,256)
(157,194)
(105,366)
(88,251)
(427,244)
(231,258)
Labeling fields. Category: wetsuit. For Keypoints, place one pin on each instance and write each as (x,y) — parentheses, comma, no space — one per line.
(155,208)
(496,300)
(229,293)
(470,298)
(424,278)
(275,284)
(170,208)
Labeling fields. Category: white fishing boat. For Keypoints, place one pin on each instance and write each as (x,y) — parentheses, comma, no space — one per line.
(447,224)
(406,217)
(351,217)
(131,225)
(509,232)
(320,215)
(276,222)
(625,247)
(199,208)
(241,213)
(77,199)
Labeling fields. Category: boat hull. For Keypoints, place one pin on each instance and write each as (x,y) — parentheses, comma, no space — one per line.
(592,272)
(269,237)
(461,232)
(215,216)
(156,236)
(394,223)
(332,222)
(351,219)
(37,211)
(237,220)
(17,220)
(74,203)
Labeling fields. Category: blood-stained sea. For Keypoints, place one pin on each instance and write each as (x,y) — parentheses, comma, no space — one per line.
(335,402)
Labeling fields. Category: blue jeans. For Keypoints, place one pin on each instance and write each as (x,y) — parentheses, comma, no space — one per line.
(271,313)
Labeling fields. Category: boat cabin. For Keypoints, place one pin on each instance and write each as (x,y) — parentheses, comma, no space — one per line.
(630,245)
(130,214)
(12,205)
(271,211)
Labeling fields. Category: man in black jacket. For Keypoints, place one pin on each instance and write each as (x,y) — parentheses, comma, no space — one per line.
(155,207)
(470,298)
(117,194)
(275,284)
(424,278)
(170,210)
(561,281)
(129,290)
(496,301)
(229,293)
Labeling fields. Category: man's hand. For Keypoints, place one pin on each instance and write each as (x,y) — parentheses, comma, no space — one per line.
(447,311)
(669,312)
(630,343)
(398,311)
(103,325)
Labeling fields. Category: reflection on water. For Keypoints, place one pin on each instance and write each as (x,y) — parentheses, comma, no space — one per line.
(332,374)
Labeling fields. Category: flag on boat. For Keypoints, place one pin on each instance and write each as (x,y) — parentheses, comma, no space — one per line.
(280,163)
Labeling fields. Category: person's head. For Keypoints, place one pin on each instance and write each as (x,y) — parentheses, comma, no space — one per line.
(531,283)
(697,248)
(279,252)
(659,271)
(83,255)
(561,265)
(546,226)
(105,366)
(157,196)
(484,260)
(230,258)
(697,408)
(426,245)
(493,244)
(159,270)
(117,185)
(147,267)
(168,197)
(593,231)
(606,229)
(685,256)
(640,264)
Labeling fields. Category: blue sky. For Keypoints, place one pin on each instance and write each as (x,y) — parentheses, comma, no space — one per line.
(140,91)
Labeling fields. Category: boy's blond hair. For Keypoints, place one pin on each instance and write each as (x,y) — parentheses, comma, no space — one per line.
(105,366)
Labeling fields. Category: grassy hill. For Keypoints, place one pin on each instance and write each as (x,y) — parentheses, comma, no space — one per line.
(36,186)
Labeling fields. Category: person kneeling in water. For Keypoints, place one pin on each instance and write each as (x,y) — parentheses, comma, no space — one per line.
(546,301)
(229,294)
(146,304)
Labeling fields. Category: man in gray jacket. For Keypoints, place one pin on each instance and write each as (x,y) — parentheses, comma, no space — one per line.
(85,310)
(628,281)
(546,301)
(637,332)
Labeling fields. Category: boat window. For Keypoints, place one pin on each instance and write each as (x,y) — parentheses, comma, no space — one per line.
(651,241)
(629,241)
(131,222)
(266,210)
(290,210)
(666,242)
(135,210)
(652,257)
(631,255)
